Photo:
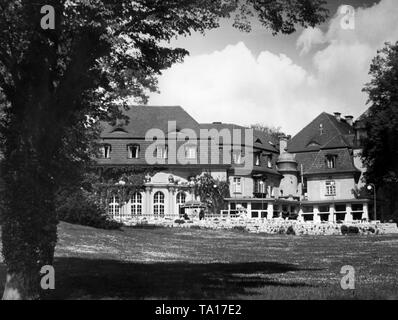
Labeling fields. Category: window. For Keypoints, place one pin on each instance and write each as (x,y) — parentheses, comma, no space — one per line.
(259,186)
(190,152)
(330,188)
(114,207)
(136,204)
(237,185)
(181,198)
(269,161)
(161,152)
(158,204)
(237,157)
(257,159)
(133,151)
(331,161)
(105,151)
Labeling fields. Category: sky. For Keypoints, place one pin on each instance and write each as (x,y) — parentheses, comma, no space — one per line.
(280,81)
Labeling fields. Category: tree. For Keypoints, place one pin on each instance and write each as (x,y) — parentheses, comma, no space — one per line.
(380,146)
(58,82)
(212,192)
(273,132)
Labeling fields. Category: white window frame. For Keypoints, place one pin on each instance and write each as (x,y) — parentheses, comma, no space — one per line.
(136,204)
(161,152)
(181,198)
(257,159)
(190,152)
(237,184)
(237,156)
(114,208)
(330,187)
(269,161)
(133,151)
(260,185)
(105,150)
(331,161)
(158,203)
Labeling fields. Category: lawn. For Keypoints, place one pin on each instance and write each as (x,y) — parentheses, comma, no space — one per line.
(204,264)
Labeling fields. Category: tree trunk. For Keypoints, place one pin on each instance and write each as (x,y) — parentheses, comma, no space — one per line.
(29,224)
(21,286)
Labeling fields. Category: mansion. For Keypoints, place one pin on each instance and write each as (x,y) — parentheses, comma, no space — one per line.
(310,177)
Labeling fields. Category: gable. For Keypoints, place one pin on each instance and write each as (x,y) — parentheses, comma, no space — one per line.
(323,132)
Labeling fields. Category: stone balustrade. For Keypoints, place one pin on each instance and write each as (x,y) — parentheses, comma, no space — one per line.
(275,226)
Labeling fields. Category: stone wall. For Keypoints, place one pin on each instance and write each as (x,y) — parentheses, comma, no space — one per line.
(276,226)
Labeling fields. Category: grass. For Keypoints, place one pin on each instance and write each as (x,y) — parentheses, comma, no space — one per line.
(199,264)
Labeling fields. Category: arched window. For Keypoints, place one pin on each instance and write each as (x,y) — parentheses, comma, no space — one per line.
(114,208)
(181,198)
(136,204)
(158,204)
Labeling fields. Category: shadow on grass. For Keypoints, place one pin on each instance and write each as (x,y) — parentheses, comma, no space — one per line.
(78,278)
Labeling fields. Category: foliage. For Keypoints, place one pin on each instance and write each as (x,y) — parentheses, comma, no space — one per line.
(212,192)
(290,231)
(273,132)
(344,229)
(380,150)
(80,208)
(58,83)
(121,182)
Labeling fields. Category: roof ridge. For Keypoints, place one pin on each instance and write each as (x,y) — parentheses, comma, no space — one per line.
(329,115)
(308,125)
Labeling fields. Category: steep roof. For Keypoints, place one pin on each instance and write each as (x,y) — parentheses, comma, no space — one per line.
(324,132)
(261,140)
(144,118)
(315,162)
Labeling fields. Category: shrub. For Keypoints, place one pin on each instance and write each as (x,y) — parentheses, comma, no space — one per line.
(353,230)
(79,208)
(290,231)
(179,221)
(344,229)
(239,228)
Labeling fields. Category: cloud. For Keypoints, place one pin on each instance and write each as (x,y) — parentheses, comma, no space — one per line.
(232,85)
(308,38)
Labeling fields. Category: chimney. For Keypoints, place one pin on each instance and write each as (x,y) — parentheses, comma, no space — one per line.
(349,120)
(282,144)
(337,115)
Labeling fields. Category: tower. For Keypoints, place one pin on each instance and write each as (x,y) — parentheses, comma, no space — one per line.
(287,166)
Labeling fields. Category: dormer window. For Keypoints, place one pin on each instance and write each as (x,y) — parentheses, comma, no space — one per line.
(133,151)
(331,161)
(190,152)
(269,161)
(105,151)
(257,161)
(161,152)
(237,157)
